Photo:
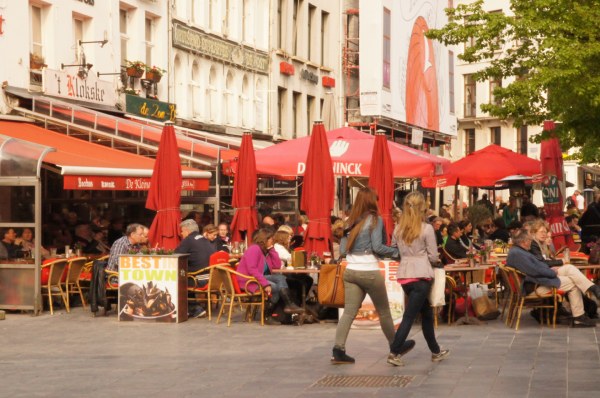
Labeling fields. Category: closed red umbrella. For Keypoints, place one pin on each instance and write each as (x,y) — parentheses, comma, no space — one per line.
(381,179)
(484,167)
(164,195)
(317,192)
(553,192)
(244,192)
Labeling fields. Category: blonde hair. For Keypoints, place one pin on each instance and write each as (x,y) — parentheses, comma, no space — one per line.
(286,228)
(538,224)
(413,215)
(282,237)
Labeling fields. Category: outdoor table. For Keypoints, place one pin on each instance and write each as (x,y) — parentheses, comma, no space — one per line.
(464,270)
(292,271)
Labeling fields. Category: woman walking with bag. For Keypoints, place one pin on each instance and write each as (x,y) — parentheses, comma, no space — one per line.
(418,250)
(363,276)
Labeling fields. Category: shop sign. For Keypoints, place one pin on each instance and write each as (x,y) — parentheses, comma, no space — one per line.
(117,183)
(66,84)
(342,168)
(328,81)
(286,68)
(551,190)
(308,75)
(198,42)
(149,108)
(149,288)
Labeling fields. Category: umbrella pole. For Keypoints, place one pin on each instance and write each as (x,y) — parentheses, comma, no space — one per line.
(217,187)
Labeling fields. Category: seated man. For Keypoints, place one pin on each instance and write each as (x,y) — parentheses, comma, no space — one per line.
(497,230)
(199,249)
(542,278)
(453,246)
(131,241)
(572,222)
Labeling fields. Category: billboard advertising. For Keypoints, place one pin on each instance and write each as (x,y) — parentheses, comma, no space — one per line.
(404,75)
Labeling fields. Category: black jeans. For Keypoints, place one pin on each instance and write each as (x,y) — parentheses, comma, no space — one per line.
(416,301)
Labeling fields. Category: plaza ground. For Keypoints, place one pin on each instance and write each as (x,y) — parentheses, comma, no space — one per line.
(76,355)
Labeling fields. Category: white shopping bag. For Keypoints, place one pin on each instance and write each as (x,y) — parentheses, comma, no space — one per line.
(436,296)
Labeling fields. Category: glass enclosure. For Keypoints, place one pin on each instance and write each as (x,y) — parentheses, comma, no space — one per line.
(20,214)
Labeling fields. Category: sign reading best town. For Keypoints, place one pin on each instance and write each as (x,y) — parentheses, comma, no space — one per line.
(196,41)
(67,84)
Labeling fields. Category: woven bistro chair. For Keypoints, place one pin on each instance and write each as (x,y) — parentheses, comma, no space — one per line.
(72,284)
(52,286)
(210,293)
(231,291)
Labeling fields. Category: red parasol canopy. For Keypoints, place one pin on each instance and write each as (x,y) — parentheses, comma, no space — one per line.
(484,167)
(350,151)
(244,192)
(164,195)
(381,180)
(553,192)
(317,193)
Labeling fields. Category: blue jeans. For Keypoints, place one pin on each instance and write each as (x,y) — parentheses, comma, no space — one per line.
(357,284)
(417,301)
(277,282)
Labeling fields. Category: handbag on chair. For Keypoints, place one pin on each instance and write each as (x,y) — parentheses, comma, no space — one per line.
(330,290)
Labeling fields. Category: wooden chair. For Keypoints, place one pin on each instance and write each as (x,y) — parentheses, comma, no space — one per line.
(545,302)
(231,291)
(53,286)
(450,292)
(209,293)
(510,284)
(74,268)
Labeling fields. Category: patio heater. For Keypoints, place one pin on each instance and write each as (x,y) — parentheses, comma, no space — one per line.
(516,188)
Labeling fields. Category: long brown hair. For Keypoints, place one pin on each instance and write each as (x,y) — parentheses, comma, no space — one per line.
(365,205)
(413,215)
(262,236)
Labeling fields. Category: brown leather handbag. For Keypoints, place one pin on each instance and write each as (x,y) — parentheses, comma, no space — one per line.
(330,290)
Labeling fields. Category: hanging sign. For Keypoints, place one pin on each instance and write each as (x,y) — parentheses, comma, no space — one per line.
(67,84)
(149,108)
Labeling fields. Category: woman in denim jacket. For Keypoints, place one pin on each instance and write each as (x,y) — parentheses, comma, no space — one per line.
(362,275)
(418,250)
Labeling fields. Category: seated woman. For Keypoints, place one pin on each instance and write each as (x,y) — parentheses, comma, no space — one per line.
(28,243)
(296,282)
(465,240)
(258,261)
(541,245)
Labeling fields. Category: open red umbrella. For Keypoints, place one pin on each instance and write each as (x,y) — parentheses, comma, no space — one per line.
(381,179)
(164,195)
(484,167)
(350,151)
(244,192)
(553,192)
(317,192)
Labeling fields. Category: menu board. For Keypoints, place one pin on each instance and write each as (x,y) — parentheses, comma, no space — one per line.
(153,288)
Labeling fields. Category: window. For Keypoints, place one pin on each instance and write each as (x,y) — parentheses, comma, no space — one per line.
(310,109)
(522,140)
(280,24)
(469,141)
(324,31)
(196,11)
(212,106)
(494,84)
(228,100)
(470,96)
(245,20)
(451,81)
(36,31)
(296,106)
(149,37)
(211,14)
(281,101)
(260,104)
(245,100)
(227,23)
(123,32)
(387,33)
(77,36)
(295,12)
(196,91)
(312,11)
(496,135)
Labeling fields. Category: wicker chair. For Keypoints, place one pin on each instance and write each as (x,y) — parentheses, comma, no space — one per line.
(72,285)
(53,285)
(231,291)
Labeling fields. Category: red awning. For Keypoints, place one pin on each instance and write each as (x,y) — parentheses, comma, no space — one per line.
(89,166)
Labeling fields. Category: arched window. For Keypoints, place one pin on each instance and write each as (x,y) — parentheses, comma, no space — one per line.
(246,103)
(212,107)
(179,87)
(196,92)
(260,104)
(228,112)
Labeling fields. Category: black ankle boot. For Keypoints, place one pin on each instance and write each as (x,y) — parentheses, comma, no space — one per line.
(290,306)
(340,357)
(269,318)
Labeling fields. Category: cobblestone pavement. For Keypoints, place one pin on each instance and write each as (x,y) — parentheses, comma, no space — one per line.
(75,355)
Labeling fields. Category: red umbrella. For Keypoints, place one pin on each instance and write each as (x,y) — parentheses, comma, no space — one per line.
(317,192)
(484,167)
(244,192)
(350,151)
(164,195)
(553,192)
(381,179)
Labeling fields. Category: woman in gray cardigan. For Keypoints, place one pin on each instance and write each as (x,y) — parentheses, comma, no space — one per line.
(418,250)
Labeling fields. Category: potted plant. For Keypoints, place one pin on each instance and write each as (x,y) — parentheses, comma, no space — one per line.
(154,73)
(36,61)
(135,68)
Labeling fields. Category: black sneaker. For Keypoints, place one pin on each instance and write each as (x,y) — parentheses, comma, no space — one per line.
(199,312)
(406,347)
(583,321)
(340,357)
(440,356)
